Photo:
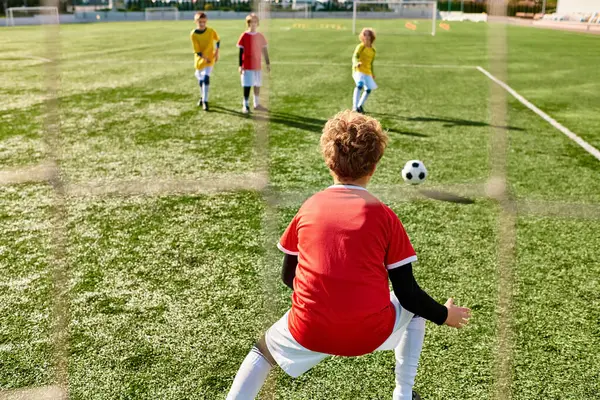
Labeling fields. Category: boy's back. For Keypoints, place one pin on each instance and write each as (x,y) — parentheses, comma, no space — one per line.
(345,238)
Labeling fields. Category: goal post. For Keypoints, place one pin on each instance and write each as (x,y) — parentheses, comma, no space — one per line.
(423,11)
(302,10)
(32,15)
(161,13)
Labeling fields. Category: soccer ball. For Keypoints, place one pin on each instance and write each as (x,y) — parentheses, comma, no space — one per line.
(414,172)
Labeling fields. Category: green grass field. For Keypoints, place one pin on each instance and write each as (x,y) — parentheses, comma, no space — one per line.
(168,290)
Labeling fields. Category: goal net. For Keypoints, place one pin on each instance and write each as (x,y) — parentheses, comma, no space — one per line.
(31,16)
(403,17)
(161,14)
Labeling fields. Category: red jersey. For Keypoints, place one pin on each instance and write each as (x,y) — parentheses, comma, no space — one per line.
(253,44)
(346,240)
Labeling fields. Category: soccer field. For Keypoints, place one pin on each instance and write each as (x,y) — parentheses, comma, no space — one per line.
(161,235)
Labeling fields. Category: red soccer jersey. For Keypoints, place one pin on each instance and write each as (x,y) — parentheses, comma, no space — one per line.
(253,44)
(346,240)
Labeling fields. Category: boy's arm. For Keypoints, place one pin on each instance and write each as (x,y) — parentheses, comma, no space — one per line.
(218,40)
(288,272)
(356,55)
(413,298)
(266,56)
(373,68)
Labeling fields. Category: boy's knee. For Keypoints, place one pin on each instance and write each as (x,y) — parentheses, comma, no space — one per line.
(360,85)
(368,91)
(261,345)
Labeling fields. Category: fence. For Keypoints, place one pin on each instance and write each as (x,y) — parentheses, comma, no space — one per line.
(515,8)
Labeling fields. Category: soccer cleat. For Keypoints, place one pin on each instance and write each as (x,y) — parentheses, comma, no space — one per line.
(246,110)
(415,396)
(260,108)
(361,110)
(205,106)
(200,102)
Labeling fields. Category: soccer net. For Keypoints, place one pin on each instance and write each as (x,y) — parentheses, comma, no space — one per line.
(161,14)
(414,17)
(31,16)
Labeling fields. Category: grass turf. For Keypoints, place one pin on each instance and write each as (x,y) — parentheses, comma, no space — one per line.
(167,293)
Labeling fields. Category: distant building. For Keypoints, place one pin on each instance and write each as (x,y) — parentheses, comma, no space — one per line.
(566,7)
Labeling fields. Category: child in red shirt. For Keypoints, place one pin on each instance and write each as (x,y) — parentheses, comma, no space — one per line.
(253,46)
(340,250)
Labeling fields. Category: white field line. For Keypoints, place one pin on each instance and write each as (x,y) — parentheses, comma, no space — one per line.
(440,66)
(25,57)
(39,393)
(585,145)
(558,210)
(38,173)
(38,58)
(216,183)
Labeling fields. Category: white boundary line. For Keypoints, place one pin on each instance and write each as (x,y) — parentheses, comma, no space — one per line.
(25,57)
(585,145)
(38,58)
(35,393)
(442,66)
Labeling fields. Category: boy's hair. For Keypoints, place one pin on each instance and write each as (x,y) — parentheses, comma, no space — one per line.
(250,17)
(361,36)
(200,15)
(352,144)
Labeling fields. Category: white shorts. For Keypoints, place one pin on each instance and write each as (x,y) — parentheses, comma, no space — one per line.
(295,359)
(252,77)
(367,80)
(201,73)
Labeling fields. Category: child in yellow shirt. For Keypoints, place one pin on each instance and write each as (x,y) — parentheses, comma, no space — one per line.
(362,67)
(206,43)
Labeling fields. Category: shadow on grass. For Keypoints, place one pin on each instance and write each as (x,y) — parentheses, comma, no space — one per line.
(297,121)
(447,122)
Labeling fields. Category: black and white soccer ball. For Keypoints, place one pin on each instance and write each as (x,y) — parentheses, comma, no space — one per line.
(414,172)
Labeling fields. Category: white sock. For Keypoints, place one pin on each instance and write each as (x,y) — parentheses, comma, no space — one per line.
(407,354)
(363,98)
(205,92)
(250,377)
(256,101)
(355,98)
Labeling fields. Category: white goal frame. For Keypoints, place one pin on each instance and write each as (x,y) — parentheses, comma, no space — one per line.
(433,5)
(10,17)
(302,8)
(150,10)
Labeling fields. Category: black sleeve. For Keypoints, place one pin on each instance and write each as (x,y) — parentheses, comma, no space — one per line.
(241,55)
(288,273)
(266,55)
(413,298)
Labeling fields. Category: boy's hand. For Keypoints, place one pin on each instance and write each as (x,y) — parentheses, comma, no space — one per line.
(457,316)
(268,67)
(217,55)
(358,65)
(241,69)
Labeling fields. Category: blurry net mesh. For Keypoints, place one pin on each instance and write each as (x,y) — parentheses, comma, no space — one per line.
(258,180)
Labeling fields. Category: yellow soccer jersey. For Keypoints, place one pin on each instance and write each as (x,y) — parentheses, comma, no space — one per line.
(204,43)
(364,55)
